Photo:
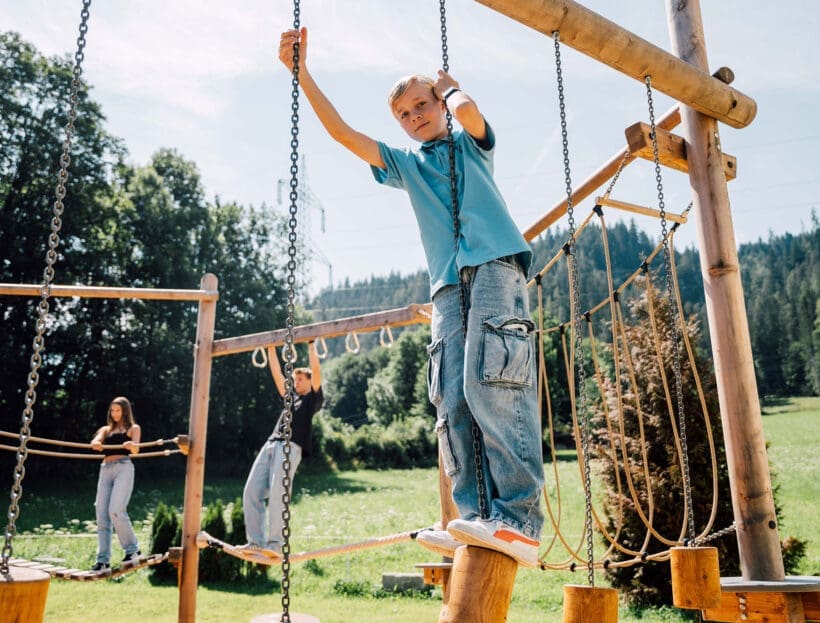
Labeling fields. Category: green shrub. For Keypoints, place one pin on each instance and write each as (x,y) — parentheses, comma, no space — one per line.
(166,532)
(352,588)
(214,565)
(649,584)
(404,443)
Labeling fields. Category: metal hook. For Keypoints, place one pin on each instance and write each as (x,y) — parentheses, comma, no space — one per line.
(321,354)
(386,332)
(257,361)
(352,342)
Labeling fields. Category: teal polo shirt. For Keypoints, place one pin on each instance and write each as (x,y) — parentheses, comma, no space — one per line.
(487,229)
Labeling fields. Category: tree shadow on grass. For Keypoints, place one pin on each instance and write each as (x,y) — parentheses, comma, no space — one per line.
(253,584)
(771,405)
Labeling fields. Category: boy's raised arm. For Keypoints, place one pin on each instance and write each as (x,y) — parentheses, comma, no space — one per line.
(461,105)
(360,144)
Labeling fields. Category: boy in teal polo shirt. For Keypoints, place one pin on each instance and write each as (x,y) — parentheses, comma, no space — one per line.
(482,367)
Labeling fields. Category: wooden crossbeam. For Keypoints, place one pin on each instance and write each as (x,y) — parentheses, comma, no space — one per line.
(103,292)
(811,606)
(759,608)
(435,573)
(795,599)
(638,209)
(592,183)
(605,41)
(412,314)
(671,149)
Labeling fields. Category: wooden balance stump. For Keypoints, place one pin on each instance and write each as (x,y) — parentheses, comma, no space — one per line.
(23,594)
(590,604)
(479,588)
(695,577)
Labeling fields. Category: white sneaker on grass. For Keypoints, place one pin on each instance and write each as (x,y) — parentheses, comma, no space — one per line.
(438,541)
(498,536)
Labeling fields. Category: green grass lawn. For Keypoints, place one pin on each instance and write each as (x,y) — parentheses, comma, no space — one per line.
(792,429)
(331,509)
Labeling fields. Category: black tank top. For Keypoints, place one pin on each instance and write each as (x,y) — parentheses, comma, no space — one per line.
(116,439)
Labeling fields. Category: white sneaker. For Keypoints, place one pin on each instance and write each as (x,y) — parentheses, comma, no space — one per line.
(438,541)
(497,536)
(254,549)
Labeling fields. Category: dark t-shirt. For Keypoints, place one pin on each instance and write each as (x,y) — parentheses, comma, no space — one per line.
(303,409)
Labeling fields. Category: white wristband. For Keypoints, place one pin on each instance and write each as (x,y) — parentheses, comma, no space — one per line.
(449,92)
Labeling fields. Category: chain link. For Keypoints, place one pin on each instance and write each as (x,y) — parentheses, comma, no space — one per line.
(715,535)
(615,177)
(45,292)
(462,294)
(289,350)
(578,342)
(675,322)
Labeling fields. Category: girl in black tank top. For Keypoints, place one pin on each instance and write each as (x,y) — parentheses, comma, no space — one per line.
(117,440)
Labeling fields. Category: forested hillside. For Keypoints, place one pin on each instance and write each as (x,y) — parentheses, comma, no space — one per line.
(781,278)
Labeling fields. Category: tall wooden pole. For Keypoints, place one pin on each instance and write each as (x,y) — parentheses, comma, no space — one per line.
(752,500)
(195,471)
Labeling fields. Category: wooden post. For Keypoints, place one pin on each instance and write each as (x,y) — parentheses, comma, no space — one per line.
(449,511)
(195,471)
(23,594)
(605,41)
(481,585)
(752,500)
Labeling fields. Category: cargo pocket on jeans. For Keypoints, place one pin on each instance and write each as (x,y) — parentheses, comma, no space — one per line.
(436,353)
(507,349)
(448,458)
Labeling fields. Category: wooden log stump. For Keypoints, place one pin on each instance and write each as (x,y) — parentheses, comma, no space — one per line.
(23,594)
(480,587)
(695,577)
(590,604)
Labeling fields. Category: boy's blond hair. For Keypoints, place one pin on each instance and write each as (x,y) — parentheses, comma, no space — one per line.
(402,84)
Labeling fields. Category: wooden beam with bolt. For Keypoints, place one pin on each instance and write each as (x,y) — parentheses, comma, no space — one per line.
(671,149)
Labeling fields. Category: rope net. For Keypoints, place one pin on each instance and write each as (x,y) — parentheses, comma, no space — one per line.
(627,359)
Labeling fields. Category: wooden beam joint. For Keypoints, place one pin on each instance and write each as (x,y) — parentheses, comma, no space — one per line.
(671,149)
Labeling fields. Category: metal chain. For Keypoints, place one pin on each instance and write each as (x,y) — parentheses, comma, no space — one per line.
(675,322)
(45,292)
(462,294)
(289,348)
(576,318)
(715,535)
(615,177)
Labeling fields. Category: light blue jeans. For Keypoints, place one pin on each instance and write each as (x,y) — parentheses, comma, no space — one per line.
(114,489)
(265,482)
(490,376)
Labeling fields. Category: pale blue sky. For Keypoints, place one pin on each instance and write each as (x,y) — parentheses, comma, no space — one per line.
(201,76)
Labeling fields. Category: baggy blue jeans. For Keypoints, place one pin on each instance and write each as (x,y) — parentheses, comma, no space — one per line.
(114,487)
(489,375)
(266,482)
